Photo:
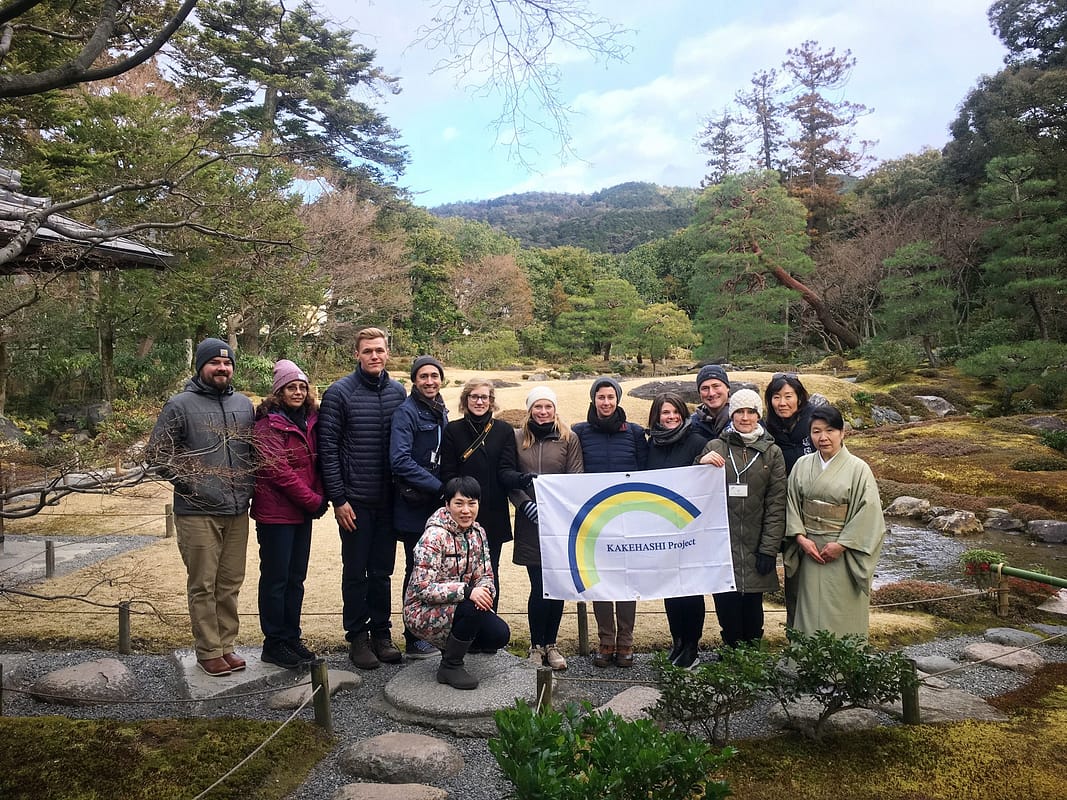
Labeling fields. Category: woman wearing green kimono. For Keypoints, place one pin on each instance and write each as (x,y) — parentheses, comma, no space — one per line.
(834,529)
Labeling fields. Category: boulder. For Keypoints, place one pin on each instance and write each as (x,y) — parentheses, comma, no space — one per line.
(86,684)
(1057,604)
(932,665)
(957,523)
(905,506)
(1004,657)
(1012,637)
(1005,524)
(1050,531)
(938,406)
(389,791)
(801,716)
(540,377)
(883,415)
(633,703)
(293,698)
(402,758)
(1046,423)
(9,431)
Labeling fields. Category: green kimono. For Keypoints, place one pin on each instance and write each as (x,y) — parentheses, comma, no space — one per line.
(840,502)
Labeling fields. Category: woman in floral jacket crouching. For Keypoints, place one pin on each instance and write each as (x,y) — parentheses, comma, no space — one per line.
(449,599)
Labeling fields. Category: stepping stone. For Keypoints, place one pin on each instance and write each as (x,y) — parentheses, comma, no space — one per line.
(947,704)
(1025,661)
(802,714)
(932,665)
(195,684)
(291,699)
(86,684)
(633,703)
(1012,637)
(401,758)
(1057,604)
(389,791)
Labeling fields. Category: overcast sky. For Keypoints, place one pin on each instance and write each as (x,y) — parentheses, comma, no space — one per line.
(638,120)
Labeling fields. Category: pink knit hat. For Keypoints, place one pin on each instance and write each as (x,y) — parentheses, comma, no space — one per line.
(285,372)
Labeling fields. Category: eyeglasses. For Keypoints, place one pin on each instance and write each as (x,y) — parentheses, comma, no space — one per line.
(479,398)
(778,375)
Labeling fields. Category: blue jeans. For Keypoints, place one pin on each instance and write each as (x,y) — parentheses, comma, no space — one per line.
(368,555)
(284,551)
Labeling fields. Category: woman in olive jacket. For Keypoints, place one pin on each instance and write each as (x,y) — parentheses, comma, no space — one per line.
(755,505)
(546,447)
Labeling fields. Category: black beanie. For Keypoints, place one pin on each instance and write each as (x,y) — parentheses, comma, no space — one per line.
(213,348)
(422,361)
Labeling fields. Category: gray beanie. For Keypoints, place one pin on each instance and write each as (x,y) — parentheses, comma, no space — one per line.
(746,398)
(710,372)
(213,348)
(604,380)
(423,361)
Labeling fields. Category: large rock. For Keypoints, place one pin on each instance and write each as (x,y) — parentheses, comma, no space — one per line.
(9,431)
(402,758)
(947,704)
(938,406)
(883,415)
(1004,524)
(905,506)
(801,716)
(1012,637)
(1057,604)
(1025,661)
(86,684)
(633,703)
(932,665)
(1050,531)
(1046,423)
(296,696)
(389,791)
(957,523)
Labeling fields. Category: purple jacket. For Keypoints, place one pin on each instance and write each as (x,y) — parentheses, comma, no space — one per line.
(288,485)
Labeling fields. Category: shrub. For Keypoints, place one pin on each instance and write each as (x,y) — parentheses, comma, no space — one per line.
(704,698)
(926,596)
(254,374)
(1040,464)
(891,360)
(1057,440)
(1016,367)
(488,350)
(839,673)
(574,755)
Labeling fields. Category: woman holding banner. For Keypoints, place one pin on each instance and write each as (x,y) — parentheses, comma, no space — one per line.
(673,442)
(546,447)
(755,506)
(611,444)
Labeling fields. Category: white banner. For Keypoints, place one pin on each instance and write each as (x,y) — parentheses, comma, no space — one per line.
(635,535)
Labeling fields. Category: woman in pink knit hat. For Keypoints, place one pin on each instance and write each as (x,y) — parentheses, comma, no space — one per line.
(287,497)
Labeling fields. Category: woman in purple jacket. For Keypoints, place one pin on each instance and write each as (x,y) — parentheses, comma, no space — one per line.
(287,497)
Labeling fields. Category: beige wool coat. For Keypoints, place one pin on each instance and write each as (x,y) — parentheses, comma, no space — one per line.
(550,456)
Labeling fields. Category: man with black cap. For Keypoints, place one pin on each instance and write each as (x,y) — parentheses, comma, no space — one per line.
(415,457)
(202,444)
(713,413)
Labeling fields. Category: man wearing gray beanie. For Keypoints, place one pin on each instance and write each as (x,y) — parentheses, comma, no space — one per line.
(713,414)
(202,444)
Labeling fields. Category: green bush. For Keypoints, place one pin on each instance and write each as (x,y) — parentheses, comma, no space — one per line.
(1016,367)
(1040,464)
(838,673)
(891,360)
(579,754)
(705,698)
(254,374)
(1057,440)
(485,351)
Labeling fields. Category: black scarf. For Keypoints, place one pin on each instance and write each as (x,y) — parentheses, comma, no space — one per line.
(478,422)
(436,406)
(612,424)
(298,416)
(542,430)
(662,437)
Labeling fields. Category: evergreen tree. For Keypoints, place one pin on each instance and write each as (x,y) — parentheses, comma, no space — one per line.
(916,297)
(764,105)
(724,143)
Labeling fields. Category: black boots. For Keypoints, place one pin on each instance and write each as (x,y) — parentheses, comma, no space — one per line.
(451,670)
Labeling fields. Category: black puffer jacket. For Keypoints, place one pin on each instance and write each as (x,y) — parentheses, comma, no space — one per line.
(353,430)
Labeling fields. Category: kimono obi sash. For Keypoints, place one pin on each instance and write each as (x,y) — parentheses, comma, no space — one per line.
(823,517)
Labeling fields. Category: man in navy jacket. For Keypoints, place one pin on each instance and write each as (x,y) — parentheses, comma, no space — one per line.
(354,420)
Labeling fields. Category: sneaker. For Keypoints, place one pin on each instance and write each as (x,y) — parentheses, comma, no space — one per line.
(281,655)
(536,656)
(301,650)
(360,652)
(554,657)
(419,649)
(385,650)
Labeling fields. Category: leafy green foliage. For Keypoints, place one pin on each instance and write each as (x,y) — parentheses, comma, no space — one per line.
(485,351)
(577,754)
(1014,367)
(704,698)
(839,673)
(1057,440)
(1040,464)
(890,360)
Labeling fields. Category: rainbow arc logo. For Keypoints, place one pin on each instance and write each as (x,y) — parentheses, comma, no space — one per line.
(609,504)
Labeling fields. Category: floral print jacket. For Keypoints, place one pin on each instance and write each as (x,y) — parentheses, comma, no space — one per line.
(448,559)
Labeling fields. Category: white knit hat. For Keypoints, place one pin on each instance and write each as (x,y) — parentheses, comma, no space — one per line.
(540,393)
(745,398)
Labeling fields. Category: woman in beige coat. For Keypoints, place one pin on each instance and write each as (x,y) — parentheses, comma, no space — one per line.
(546,447)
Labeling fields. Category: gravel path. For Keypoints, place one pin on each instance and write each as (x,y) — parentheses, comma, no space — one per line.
(355,718)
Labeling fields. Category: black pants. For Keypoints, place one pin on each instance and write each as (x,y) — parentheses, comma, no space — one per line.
(685,617)
(544,614)
(284,551)
(494,561)
(368,555)
(484,628)
(410,539)
(740,616)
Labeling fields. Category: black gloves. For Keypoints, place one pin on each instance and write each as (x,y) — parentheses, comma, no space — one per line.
(527,480)
(529,510)
(764,563)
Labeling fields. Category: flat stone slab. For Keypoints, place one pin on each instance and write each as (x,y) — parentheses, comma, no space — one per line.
(948,704)
(1004,657)
(86,684)
(292,699)
(802,714)
(1012,637)
(633,703)
(1057,604)
(401,758)
(195,684)
(932,665)
(389,791)
(23,557)
(414,695)
(1051,630)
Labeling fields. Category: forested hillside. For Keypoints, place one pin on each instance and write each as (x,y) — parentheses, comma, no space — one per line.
(613,220)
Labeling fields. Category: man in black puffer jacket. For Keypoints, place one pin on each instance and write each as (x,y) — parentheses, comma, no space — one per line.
(353,427)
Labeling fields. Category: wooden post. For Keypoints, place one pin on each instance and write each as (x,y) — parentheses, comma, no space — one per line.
(320,680)
(909,693)
(1002,591)
(49,558)
(124,627)
(1,688)
(168,511)
(544,689)
(583,628)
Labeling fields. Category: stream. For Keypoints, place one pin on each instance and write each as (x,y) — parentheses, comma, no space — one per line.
(923,554)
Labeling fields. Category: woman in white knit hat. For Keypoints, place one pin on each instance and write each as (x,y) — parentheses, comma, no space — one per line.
(546,447)
(755,505)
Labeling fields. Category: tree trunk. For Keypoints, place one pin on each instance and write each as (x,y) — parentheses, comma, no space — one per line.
(5,367)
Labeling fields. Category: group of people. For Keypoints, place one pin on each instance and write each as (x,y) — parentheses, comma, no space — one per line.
(394,467)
